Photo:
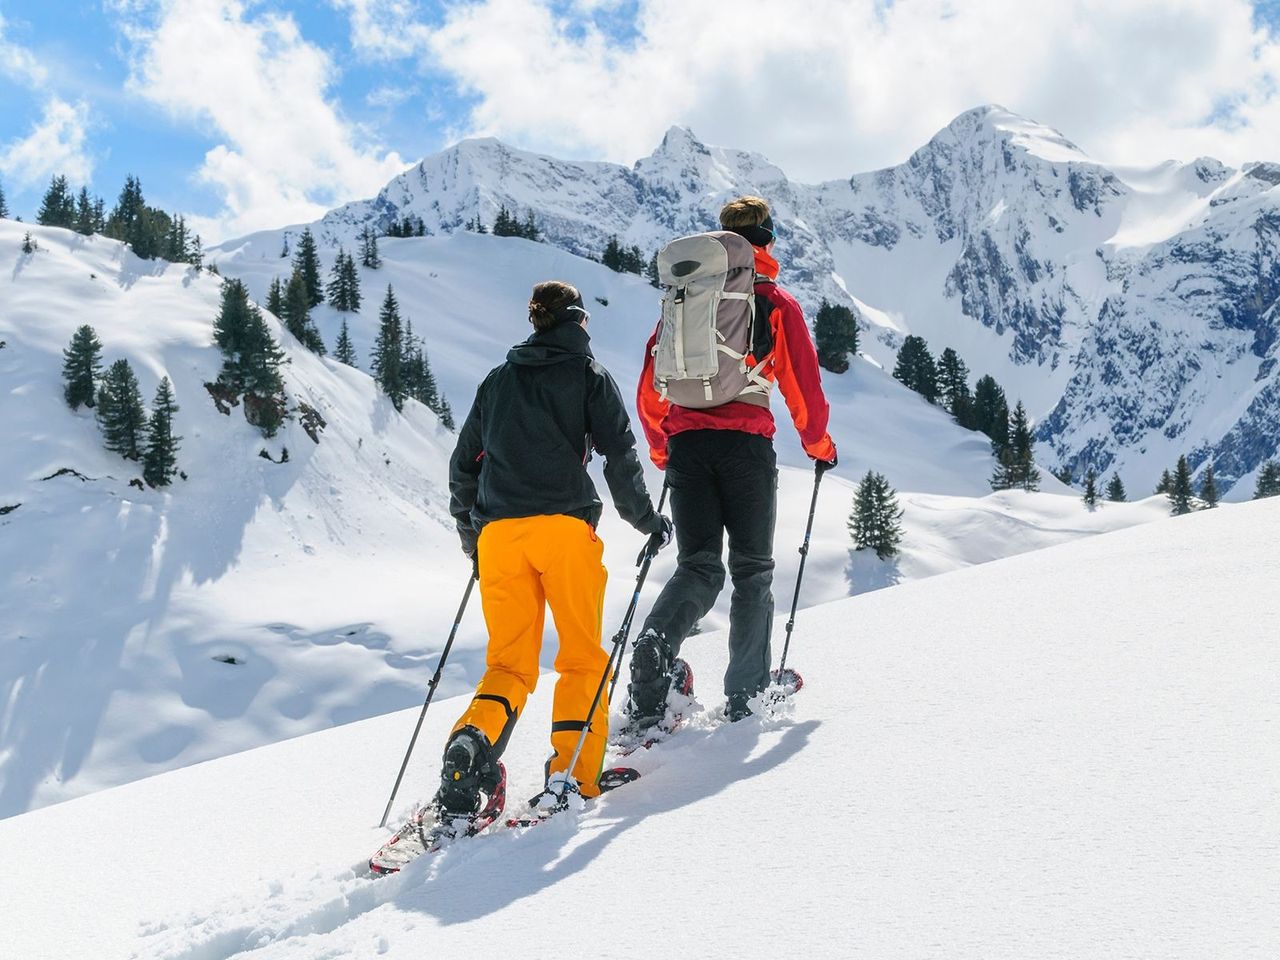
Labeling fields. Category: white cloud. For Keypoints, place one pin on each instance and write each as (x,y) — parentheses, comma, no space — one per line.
(56,145)
(832,87)
(287,153)
(384,29)
(19,63)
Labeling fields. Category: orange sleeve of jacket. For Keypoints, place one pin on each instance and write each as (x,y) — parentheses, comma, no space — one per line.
(652,407)
(795,363)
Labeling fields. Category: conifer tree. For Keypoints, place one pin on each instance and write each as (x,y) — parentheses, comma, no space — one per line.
(1180,493)
(916,368)
(297,313)
(130,220)
(445,413)
(1268,484)
(1022,450)
(1209,488)
(84,213)
(835,333)
(4,204)
(339,290)
(82,364)
(160,461)
(503,224)
(120,413)
(231,330)
(351,276)
(284,246)
(1115,489)
(1166,482)
(369,249)
(529,230)
(275,297)
(343,351)
(388,350)
(1064,475)
(306,262)
(875,522)
(1091,489)
(651,271)
(99,215)
(260,375)
(196,255)
(990,409)
(612,256)
(953,385)
(58,208)
(28,245)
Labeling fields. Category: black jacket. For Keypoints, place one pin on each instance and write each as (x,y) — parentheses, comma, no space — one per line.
(524,447)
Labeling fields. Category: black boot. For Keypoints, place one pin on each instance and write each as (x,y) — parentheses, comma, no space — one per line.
(650,679)
(469,768)
(737,708)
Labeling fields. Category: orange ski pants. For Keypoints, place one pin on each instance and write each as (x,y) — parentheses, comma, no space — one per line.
(527,564)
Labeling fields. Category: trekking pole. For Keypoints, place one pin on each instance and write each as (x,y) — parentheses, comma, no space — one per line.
(619,644)
(431,692)
(662,500)
(804,553)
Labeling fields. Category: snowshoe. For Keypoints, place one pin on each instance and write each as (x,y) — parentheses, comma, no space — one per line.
(560,796)
(432,827)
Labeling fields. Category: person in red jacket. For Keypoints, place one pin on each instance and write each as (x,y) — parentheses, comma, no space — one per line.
(722,471)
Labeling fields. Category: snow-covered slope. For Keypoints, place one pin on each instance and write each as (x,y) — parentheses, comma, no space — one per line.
(1132,310)
(333,577)
(1067,754)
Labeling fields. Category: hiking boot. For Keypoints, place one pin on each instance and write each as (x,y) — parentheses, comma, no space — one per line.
(650,679)
(469,768)
(737,707)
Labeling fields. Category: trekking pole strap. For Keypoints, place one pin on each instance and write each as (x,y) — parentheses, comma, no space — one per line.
(431,692)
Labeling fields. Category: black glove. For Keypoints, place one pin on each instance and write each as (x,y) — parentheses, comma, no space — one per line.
(657,540)
(470,547)
(822,466)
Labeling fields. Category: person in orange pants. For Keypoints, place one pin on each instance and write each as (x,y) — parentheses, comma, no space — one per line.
(526,511)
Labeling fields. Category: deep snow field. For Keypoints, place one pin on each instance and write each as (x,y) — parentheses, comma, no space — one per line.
(334,576)
(1070,753)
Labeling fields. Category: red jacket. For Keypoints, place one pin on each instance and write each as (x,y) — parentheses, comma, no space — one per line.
(794,368)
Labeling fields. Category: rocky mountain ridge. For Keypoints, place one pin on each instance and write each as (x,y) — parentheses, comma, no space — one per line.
(1133,310)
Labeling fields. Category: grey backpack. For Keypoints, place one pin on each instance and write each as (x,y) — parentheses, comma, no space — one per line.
(703,357)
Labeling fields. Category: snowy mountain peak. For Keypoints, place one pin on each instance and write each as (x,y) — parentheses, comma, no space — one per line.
(993,122)
(680,141)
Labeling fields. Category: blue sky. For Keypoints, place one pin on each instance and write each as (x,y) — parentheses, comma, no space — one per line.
(247,114)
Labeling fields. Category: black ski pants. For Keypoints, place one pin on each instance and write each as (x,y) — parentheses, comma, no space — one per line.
(722,481)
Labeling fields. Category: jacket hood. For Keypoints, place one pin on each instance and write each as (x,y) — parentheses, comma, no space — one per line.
(565,341)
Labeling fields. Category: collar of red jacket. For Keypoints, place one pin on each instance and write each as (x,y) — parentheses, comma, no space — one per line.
(766,266)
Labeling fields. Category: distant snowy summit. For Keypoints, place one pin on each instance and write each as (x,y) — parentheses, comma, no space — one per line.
(1132,309)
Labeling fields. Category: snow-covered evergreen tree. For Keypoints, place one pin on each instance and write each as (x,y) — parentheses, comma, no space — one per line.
(4,204)
(120,412)
(875,522)
(1166,482)
(369,249)
(160,461)
(81,367)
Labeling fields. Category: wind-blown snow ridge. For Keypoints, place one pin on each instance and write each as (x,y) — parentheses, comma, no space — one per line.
(1059,755)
